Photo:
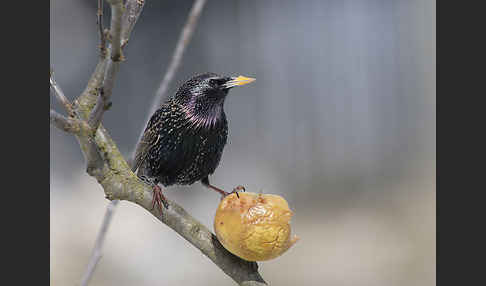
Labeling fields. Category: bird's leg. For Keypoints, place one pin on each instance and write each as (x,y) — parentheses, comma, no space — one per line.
(206,183)
(223,193)
(158,198)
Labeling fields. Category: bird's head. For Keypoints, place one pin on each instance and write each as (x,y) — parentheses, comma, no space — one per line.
(202,97)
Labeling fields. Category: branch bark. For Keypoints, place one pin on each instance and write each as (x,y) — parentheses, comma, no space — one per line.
(103,103)
(59,94)
(102,81)
(133,8)
(112,67)
(116,29)
(101,30)
(70,125)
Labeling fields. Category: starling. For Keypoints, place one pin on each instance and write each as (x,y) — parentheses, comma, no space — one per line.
(184,139)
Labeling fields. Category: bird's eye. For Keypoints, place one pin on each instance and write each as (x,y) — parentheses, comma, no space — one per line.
(216,81)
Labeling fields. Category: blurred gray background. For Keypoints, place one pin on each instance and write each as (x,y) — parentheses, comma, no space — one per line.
(340,122)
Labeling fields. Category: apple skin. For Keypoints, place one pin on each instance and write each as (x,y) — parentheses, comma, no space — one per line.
(255,227)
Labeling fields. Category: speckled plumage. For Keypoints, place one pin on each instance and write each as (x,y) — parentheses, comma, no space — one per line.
(184,139)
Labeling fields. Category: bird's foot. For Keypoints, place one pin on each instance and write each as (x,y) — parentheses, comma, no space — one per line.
(237,189)
(158,197)
(224,193)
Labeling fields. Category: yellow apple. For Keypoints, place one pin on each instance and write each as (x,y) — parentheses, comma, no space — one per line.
(253,226)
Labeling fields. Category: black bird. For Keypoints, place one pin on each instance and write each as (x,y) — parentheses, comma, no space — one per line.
(184,139)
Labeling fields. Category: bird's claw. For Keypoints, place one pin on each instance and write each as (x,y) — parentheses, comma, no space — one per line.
(236,189)
(159,199)
(239,188)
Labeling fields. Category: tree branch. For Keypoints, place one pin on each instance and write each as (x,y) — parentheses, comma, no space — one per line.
(129,18)
(70,125)
(116,29)
(133,8)
(103,103)
(101,30)
(76,124)
(59,95)
(112,67)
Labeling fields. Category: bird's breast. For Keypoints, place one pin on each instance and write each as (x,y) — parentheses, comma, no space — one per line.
(187,152)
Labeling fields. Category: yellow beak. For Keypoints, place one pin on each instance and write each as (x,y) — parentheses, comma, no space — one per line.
(238,81)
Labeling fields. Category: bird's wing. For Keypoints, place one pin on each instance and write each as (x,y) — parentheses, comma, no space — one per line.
(148,140)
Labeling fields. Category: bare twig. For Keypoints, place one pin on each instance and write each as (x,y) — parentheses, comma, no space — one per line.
(70,125)
(60,95)
(106,80)
(103,103)
(113,65)
(94,83)
(76,124)
(182,43)
(101,30)
(116,28)
(96,255)
(61,122)
(133,8)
